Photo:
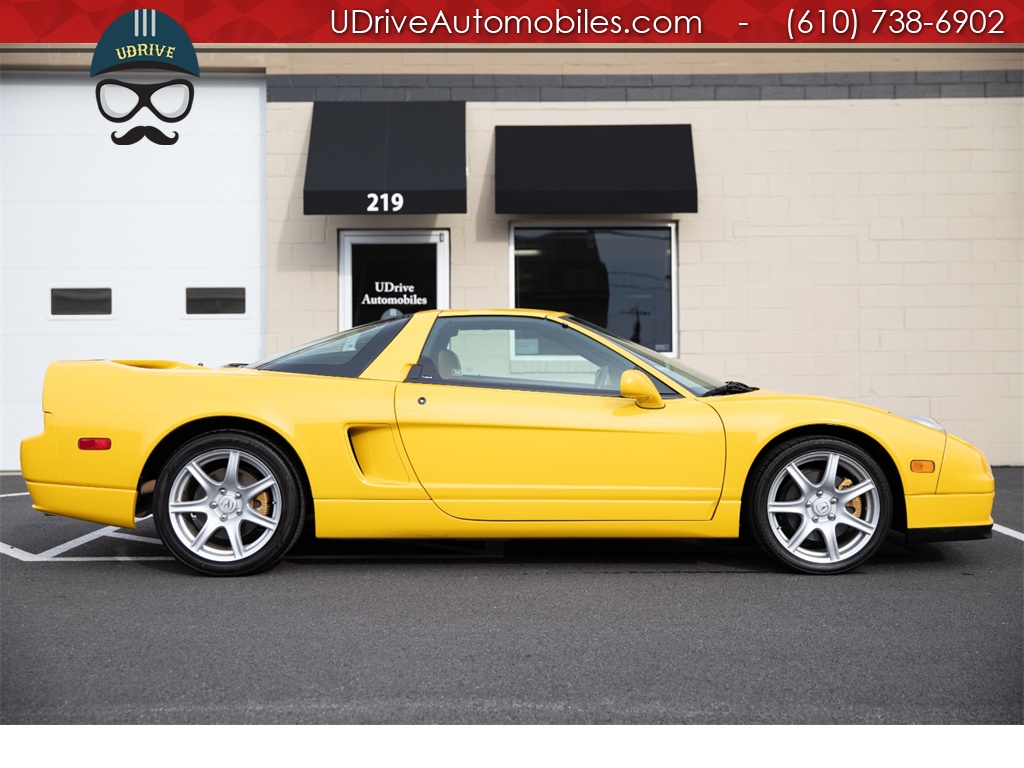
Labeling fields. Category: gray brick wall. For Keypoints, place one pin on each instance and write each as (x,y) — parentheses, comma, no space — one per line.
(767,87)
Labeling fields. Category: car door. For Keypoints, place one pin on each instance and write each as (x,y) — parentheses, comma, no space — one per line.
(520,418)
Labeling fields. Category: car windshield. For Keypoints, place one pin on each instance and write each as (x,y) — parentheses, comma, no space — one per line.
(693,381)
(346,354)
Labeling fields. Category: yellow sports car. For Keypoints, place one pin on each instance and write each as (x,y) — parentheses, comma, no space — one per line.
(487,424)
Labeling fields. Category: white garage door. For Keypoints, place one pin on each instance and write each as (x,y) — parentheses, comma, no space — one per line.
(137,251)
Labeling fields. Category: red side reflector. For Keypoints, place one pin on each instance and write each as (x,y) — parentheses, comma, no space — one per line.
(94,444)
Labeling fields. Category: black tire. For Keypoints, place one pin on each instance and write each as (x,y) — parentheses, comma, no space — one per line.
(819,504)
(228,503)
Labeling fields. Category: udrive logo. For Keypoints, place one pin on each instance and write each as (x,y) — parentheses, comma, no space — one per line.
(135,43)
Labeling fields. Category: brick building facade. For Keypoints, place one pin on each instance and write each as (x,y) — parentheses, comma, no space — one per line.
(858,229)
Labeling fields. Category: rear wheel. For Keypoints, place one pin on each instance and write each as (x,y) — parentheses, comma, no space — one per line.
(228,504)
(819,505)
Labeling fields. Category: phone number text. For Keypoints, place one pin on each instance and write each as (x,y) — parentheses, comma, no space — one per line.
(847,23)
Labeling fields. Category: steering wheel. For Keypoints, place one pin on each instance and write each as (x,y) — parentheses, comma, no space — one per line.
(601,377)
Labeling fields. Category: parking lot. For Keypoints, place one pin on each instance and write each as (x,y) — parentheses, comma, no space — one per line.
(101,625)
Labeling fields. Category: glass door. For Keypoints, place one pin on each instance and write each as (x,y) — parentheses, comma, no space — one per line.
(388,273)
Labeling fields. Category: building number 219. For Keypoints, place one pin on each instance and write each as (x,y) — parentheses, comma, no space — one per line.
(384,202)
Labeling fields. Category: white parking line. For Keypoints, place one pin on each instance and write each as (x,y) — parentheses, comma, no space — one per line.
(28,557)
(134,537)
(78,542)
(17,554)
(114,559)
(1008,532)
(9,495)
(53,554)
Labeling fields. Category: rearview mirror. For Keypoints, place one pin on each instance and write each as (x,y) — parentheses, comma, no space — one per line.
(637,386)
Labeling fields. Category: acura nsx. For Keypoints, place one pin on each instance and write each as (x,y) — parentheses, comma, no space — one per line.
(488,424)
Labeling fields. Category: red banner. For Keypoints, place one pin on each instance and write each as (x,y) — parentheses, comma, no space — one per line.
(552,22)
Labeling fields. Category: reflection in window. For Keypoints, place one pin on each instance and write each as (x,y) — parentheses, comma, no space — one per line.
(499,353)
(81,301)
(215,301)
(346,354)
(617,278)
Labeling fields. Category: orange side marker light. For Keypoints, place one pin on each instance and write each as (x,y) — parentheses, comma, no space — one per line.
(921,465)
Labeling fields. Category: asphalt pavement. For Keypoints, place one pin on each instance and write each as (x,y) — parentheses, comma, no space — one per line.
(100,625)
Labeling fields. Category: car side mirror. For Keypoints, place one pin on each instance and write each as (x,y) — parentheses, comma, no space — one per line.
(637,386)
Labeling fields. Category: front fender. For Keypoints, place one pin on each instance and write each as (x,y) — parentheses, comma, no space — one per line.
(756,420)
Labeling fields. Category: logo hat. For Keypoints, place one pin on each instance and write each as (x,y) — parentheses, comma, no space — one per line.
(144,39)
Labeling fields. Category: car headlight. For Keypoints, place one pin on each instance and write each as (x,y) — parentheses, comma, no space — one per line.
(927,421)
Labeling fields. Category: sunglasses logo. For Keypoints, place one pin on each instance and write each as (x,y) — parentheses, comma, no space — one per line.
(120,101)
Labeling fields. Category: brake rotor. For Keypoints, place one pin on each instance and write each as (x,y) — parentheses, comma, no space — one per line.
(855,507)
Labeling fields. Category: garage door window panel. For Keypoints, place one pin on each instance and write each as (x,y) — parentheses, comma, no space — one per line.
(79,302)
(215,301)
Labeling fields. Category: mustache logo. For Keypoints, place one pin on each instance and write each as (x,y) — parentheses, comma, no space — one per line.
(141,132)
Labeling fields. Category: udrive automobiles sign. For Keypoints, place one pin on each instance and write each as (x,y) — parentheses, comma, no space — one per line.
(550,22)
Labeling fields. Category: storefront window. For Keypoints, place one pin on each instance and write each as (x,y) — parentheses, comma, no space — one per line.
(619,278)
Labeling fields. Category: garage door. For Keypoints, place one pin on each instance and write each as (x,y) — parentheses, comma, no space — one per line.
(133,251)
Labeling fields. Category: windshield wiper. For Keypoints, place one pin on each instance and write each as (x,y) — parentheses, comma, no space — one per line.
(730,388)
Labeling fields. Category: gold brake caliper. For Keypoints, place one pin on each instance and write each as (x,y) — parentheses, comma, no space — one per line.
(261,502)
(854,506)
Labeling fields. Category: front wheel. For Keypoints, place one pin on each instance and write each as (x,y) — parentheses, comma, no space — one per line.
(228,503)
(819,505)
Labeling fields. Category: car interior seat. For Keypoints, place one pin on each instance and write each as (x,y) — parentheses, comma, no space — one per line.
(448,364)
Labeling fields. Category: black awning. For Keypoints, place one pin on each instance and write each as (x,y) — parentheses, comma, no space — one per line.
(363,155)
(594,169)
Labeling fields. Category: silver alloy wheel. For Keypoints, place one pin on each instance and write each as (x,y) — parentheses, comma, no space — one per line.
(824,507)
(225,505)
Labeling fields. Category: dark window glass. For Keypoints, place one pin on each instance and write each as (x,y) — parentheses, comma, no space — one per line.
(346,354)
(617,278)
(215,301)
(81,301)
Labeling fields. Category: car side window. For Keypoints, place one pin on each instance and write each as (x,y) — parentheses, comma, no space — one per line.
(505,353)
(345,355)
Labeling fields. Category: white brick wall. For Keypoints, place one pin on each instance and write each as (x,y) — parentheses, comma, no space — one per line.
(885,264)
(865,249)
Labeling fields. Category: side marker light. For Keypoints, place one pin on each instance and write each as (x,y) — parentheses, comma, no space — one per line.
(94,444)
(920,465)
